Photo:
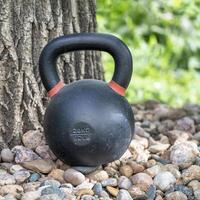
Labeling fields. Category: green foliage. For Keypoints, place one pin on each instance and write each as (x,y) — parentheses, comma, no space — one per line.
(164,37)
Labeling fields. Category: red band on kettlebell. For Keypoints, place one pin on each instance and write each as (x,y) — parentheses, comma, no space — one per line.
(56,89)
(117,88)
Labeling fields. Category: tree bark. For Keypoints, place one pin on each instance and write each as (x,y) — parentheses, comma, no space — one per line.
(25,28)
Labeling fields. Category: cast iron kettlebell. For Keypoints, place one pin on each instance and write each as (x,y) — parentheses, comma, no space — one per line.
(88,122)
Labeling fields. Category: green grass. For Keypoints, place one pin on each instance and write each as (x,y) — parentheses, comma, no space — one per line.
(165,44)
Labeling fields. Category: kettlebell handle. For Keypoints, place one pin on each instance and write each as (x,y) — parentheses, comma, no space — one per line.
(85,41)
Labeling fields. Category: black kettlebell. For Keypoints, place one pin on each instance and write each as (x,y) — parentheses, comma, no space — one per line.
(88,122)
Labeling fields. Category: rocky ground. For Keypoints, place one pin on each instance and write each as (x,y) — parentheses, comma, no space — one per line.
(163,162)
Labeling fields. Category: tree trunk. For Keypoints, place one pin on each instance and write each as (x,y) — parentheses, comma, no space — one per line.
(25,28)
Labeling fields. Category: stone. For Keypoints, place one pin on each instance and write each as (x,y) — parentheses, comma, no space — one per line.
(10,197)
(7,155)
(50,197)
(52,190)
(135,191)
(81,192)
(192,173)
(187,191)
(15,190)
(88,197)
(43,151)
(52,183)
(7,179)
(113,191)
(136,167)
(197,194)
(23,154)
(152,171)
(57,174)
(32,195)
(21,176)
(151,192)
(142,180)
(184,154)
(186,124)
(31,139)
(126,170)
(109,182)
(15,168)
(158,148)
(74,177)
(194,184)
(43,166)
(85,185)
(104,195)
(98,175)
(176,196)
(97,189)
(34,177)
(164,180)
(32,186)
(196,136)
(124,183)
(123,194)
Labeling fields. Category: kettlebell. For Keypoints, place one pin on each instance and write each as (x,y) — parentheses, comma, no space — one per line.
(88,122)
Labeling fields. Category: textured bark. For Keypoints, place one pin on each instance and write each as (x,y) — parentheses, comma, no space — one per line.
(25,28)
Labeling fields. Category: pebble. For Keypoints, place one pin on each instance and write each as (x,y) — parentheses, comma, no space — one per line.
(81,192)
(126,170)
(158,148)
(7,179)
(136,167)
(15,168)
(50,197)
(52,190)
(187,191)
(34,177)
(142,180)
(57,174)
(184,154)
(7,155)
(104,195)
(31,139)
(15,190)
(23,154)
(176,196)
(98,175)
(135,191)
(43,151)
(21,176)
(196,136)
(192,173)
(151,192)
(52,183)
(164,180)
(123,195)
(43,166)
(88,197)
(124,183)
(109,182)
(74,177)
(10,197)
(32,195)
(194,184)
(97,189)
(113,191)
(186,124)
(197,194)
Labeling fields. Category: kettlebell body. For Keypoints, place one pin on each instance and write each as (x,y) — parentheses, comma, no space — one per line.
(88,122)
